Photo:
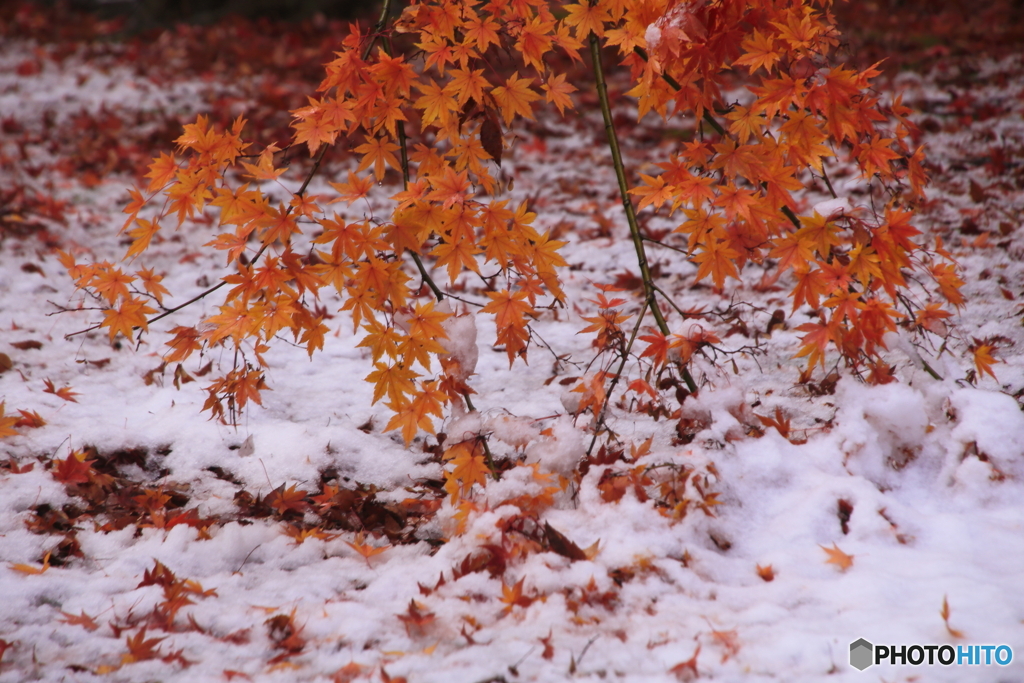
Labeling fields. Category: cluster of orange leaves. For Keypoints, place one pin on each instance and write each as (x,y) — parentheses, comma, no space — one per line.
(430,97)
(734,190)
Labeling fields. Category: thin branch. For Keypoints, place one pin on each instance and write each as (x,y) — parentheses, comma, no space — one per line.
(627,203)
(667,246)
(824,176)
(620,174)
(618,373)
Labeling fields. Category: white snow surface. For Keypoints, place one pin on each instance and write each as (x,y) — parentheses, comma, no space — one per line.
(931,471)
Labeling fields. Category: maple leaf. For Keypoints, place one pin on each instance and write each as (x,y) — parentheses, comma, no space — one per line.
(161,171)
(184,342)
(654,192)
(729,640)
(83,620)
(760,51)
(457,256)
(436,104)
(766,573)
(983,359)
(416,415)
(838,557)
(416,619)
(64,392)
(481,31)
(314,129)
(7,422)
(112,284)
(396,381)
(357,187)
(365,549)
(141,236)
(288,500)
(452,189)
(587,17)
(534,40)
(875,156)
(378,151)
(780,422)
(557,92)
(508,308)
(687,671)
(124,319)
(29,418)
(514,98)
(140,649)
(30,569)
(467,84)
(717,259)
(810,285)
(470,467)
(513,596)
(151,282)
(814,343)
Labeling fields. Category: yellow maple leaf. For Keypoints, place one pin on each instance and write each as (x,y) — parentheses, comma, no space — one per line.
(6,423)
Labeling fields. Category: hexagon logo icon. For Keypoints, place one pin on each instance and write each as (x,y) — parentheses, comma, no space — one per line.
(861,654)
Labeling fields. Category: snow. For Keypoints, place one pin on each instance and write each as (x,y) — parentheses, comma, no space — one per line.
(931,473)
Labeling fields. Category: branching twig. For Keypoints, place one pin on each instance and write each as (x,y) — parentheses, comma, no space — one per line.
(618,373)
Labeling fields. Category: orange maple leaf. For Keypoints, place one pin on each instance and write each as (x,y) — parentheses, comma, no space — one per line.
(83,620)
(508,308)
(587,17)
(470,467)
(416,415)
(514,98)
(717,259)
(983,359)
(29,418)
(365,549)
(557,92)
(64,392)
(814,343)
(513,596)
(124,319)
(377,151)
(837,557)
(30,569)
(7,422)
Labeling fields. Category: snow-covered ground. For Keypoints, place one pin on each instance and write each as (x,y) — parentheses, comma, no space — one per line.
(892,513)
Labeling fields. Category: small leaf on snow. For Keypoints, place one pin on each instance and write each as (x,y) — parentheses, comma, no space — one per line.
(83,620)
(838,557)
